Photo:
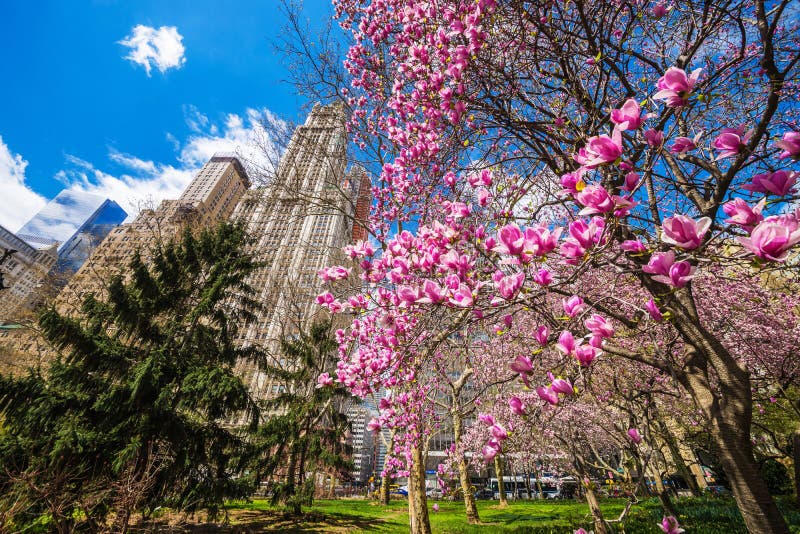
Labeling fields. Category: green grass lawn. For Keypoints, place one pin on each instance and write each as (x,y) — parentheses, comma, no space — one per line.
(697,516)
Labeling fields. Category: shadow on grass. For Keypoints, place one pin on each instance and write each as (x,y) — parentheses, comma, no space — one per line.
(247,521)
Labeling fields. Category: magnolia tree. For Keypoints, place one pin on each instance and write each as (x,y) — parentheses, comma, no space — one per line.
(671,130)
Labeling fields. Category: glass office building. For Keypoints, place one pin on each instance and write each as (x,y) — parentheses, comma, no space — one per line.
(77,222)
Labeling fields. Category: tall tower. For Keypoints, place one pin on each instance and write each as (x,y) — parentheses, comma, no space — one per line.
(208,199)
(22,272)
(74,221)
(301,222)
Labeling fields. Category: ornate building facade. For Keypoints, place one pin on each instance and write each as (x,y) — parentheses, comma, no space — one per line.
(301,222)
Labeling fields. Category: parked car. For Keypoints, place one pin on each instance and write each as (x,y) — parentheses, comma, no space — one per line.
(402,490)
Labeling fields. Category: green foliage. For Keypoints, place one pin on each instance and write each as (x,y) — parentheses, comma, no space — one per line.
(703,515)
(304,432)
(132,414)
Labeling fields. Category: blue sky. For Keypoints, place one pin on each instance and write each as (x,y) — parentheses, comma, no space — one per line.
(79,110)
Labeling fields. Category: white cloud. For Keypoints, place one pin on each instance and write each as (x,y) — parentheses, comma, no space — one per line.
(19,201)
(145,182)
(142,182)
(150,47)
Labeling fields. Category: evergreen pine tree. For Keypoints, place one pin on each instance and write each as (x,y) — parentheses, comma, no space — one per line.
(303,433)
(134,412)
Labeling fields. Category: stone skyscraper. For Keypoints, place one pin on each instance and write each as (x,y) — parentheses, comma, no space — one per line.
(22,272)
(209,199)
(301,221)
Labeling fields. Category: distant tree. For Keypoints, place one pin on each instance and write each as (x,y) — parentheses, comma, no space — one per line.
(132,414)
(304,433)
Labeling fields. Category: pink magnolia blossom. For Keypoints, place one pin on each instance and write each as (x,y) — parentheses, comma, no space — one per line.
(539,240)
(522,365)
(435,507)
(462,297)
(547,394)
(516,405)
(778,183)
(374,425)
(541,335)
(498,432)
(325,299)
(634,436)
(654,138)
(679,274)
(600,150)
(566,342)
(659,10)
(631,181)
(324,380)
(337,272)
(509,285)
(543,277)
(490,450)
(668,271)
(741,213)
(633,246)
(629,116)
(484,197)
(684,232)
(585,354)
(670,525)
(486,419)
(790,145)
(459,210)
(596,341)
(511,240)
(659,263)
(681,145)
(598,326)
(432,293)
(674,87)
(573,305)
(570,182)
(595,199)
(773,237)
(580,531)
(653,310)
(359,250)
(560,385)
(730,142)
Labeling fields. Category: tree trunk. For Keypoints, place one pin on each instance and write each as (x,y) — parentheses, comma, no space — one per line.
(730,416)
(470,507)
(417,500)
(796,458)
(385,481)
(756,505)
(528,485)
(677,459)
(728,405)
(332,489)
(600,525)
(498,469)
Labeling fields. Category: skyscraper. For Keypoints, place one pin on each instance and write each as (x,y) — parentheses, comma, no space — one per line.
(301,222)
(22,272)
(209,199)
(74,221)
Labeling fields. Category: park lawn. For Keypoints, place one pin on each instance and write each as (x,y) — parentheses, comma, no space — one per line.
(697,516)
